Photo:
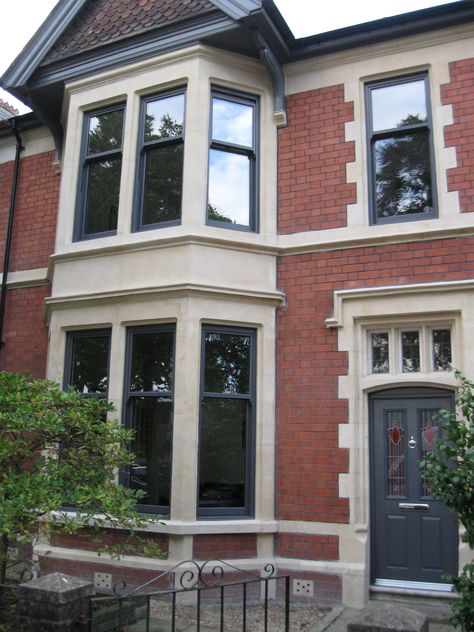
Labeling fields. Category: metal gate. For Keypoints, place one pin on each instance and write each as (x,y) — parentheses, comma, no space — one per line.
(190,594)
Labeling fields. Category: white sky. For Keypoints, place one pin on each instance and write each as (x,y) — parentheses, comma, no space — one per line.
(21,18)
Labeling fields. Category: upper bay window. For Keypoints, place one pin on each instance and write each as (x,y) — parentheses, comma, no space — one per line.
(401,173)
(160,161)
(101,166)
(233,162)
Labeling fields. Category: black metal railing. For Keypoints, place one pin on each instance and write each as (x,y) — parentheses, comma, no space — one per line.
(194,591)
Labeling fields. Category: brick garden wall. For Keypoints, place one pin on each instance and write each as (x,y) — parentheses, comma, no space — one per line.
(234,545)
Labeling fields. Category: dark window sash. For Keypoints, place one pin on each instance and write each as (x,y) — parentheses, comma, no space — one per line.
(398,132)
(247,509)
(86,160)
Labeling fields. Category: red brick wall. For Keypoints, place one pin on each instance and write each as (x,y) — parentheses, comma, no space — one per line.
(307,547)
(36,210)
(460,94)
(233,545)
(308,460)
(24,333)
(312,188)
(85,570)
(92,540)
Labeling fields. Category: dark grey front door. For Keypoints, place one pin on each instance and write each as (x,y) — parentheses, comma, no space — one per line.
(414,538)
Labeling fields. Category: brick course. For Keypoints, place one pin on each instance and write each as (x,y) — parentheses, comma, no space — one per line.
(307,546)
(24,332)
(92,540)
(308,460)
(234,545)
(460,94)
(313,153)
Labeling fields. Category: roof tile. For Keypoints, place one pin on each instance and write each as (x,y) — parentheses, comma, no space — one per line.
(110,20)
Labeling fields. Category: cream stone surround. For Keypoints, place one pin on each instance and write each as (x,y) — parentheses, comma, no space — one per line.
(357,311)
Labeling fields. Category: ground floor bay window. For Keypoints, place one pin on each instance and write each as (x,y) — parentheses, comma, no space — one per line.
(149,377)
(227,422)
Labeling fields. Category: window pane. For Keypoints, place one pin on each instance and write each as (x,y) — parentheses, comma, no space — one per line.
(152,362)
(398,105)
(403,175)
(229,187)
(163,177)
(380,352)
(227,363)
(152,422)
(410,351)
(232,122)
(441,349)
(102,199)
(222,470)
(105,132)
(164,118)
(89,363)
(395,438)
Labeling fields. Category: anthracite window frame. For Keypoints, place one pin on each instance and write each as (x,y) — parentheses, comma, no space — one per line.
(129,395)
(249,506)
(85,161)
(372,137)
(71,337)
(143,147)
(252,153)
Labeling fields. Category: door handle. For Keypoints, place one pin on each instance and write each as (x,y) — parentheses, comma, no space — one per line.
(413,506)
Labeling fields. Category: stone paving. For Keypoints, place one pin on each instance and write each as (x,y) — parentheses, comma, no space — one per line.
(337,620)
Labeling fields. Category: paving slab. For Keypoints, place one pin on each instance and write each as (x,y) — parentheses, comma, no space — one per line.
(389,618)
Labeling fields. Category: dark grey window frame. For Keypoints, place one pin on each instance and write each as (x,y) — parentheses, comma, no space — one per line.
(252,153)
(394,132)
(142,149)
(71,336)
(129,395)
(85,161)
(248,510)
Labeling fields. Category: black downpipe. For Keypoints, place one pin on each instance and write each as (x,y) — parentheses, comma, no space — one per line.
(8,240)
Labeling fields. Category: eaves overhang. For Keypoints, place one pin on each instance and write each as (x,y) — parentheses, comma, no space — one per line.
(406,24)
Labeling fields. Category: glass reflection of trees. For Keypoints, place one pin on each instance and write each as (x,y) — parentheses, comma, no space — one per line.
(103,165)
(226,415)
(403,172)
(401,153)
(162,159)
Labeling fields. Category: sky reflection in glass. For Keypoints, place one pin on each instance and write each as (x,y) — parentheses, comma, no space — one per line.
(393,104)
(229,185)
(164,118)
(232,122)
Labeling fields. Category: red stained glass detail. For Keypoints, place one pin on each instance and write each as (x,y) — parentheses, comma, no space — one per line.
(395,435)
(430,436)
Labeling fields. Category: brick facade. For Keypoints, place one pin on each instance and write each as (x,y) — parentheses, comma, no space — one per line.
(460,94)
(313,153)
(208,547)
(309,363)
(25,334)
(307,546)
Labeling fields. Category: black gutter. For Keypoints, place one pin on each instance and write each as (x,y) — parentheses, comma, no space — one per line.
(8,240)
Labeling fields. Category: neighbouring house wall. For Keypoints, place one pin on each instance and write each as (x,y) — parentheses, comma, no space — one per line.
(25,334)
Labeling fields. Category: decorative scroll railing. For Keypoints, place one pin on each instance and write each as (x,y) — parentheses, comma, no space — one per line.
(196,587)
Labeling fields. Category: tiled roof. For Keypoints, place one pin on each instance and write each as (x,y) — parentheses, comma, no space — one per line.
(104,21)
(7,110)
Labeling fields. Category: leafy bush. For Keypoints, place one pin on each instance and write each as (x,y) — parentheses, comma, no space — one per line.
(57,449)
(450,474)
